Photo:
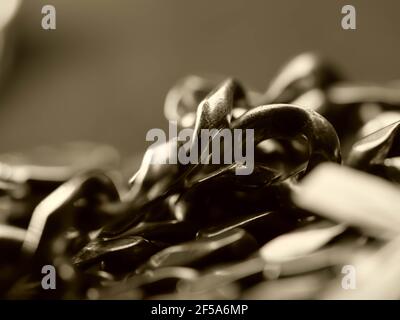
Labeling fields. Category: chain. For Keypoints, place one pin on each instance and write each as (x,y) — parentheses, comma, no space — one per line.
(200,230)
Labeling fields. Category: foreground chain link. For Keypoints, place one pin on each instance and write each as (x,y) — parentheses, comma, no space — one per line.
(311,209)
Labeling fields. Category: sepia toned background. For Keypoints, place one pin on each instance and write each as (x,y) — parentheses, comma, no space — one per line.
(103,74)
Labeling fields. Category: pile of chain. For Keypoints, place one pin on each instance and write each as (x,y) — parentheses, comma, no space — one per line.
(317,218)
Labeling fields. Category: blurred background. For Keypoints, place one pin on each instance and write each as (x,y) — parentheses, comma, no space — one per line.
(103,74)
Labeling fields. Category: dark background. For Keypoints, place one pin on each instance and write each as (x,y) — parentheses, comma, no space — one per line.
(103,74)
